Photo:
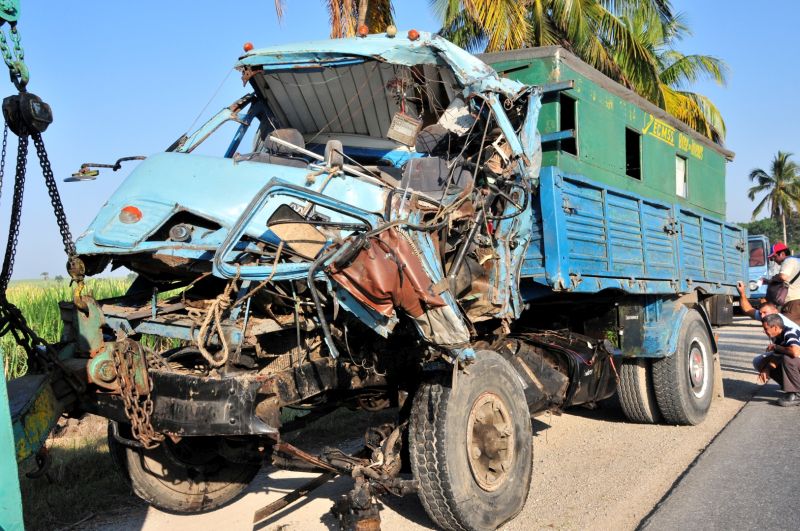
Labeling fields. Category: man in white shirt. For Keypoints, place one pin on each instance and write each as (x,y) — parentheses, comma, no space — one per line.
(771,364)
(789,273)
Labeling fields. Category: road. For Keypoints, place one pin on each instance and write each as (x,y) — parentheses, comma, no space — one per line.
(747,479)
(592,469)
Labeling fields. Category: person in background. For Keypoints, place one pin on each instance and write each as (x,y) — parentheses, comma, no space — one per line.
(781,362)
(765,309)
(789,273)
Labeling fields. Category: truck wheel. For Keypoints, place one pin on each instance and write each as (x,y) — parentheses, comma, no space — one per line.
(636,394)
(188,477)
(683,382)
(470,446)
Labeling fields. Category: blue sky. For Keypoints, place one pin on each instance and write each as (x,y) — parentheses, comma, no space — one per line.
(128,78)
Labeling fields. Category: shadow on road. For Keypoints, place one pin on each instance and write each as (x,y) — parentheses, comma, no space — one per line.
(330,490)
(740,390)
(409,506)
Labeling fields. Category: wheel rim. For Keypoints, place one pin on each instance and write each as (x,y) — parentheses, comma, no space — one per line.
(490,441)
(698,371)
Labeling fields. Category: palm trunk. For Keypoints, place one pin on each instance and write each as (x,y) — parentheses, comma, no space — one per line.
(362,13)
(783,220)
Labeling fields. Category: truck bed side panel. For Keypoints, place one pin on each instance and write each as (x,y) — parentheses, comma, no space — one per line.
(589,237)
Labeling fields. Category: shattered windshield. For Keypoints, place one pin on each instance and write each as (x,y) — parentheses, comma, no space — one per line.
(384,115)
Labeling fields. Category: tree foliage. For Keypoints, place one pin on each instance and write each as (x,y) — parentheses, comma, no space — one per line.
(344,15)
(780,187)
(631,41)
(771,228)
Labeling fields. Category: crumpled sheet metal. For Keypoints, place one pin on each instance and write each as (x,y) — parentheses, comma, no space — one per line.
(387,274)
(429,49)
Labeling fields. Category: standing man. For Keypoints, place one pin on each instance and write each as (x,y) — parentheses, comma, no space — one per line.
(782,361)
(789,273)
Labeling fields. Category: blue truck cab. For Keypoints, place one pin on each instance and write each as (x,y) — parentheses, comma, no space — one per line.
(388,227)
(758,272)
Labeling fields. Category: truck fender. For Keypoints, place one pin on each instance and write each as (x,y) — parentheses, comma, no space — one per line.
(661,336)
(719,390)
(707,321)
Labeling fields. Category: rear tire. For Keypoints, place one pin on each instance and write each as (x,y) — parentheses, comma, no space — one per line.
(188,477)
(636,394)
(684,382)
(471,446)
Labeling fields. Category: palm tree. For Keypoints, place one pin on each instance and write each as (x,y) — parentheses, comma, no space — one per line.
(674,71)
(631,41)
(490,25)
(588,28)
(347,15)
(781,185)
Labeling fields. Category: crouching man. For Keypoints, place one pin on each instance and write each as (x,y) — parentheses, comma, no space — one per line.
(782,360)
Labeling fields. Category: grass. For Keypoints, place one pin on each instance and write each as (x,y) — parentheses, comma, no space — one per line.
(81,482)
(38,300)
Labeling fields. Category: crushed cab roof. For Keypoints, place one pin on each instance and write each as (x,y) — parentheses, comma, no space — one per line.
(428,49)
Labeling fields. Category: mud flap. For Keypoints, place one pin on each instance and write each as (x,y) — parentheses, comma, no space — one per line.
(718,390)
(34,412)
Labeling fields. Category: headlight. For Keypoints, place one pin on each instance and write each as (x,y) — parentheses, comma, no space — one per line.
(753,285)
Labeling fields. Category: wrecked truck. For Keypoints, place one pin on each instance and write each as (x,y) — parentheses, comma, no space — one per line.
(395,224)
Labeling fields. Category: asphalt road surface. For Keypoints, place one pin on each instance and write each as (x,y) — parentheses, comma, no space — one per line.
(592,470)
(748,478)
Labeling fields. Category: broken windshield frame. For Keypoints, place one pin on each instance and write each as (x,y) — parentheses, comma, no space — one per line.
(358,102)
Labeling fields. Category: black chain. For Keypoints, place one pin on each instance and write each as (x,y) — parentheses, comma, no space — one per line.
(16,214)
(3,158)
(55,198)
(43,355)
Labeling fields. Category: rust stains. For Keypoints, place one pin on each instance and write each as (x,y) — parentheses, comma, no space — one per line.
(387,274)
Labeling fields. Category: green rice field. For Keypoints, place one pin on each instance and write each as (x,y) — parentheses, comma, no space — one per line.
(38,300)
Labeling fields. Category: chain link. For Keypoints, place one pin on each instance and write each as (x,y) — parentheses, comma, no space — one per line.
(6,51)
(138,412)
(55,197)
(16,214)
(3,158)
(18,51)
(16,62)
(43,355)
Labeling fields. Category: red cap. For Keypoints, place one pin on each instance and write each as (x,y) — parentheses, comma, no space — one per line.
(778,247)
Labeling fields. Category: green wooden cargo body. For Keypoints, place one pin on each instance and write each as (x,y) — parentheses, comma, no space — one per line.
(617,137)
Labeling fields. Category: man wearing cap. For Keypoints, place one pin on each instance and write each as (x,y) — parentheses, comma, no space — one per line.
(789,273)
(782,360)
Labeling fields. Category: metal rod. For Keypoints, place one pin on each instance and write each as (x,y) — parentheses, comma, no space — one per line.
(346,167)
(462,252)
(296,494)
(294,451)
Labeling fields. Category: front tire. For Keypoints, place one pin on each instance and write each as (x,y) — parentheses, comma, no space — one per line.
(683,382)
(471,446)
(190,476)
